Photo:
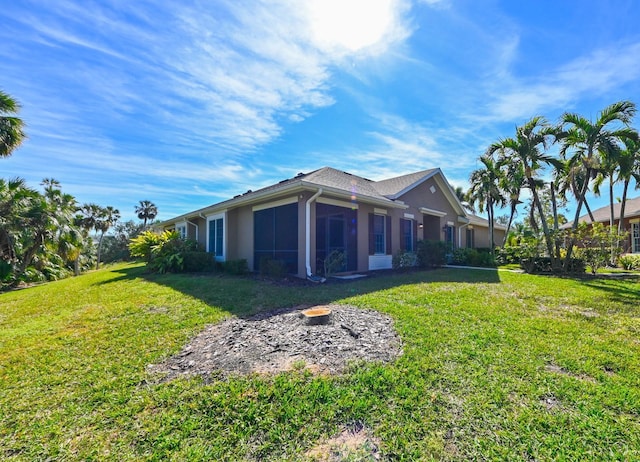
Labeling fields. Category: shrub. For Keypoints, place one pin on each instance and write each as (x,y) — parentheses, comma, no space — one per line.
(432,253)
(542,265)
(237,267)
(334,263)
(629,262)
(198,261)
(276,269)
(473,257)
(405,260)
(143,244)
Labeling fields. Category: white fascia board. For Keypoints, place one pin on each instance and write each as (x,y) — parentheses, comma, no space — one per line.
(435,213)
(360,199)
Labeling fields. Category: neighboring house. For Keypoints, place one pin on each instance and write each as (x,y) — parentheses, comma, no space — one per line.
(303,219)
(631,222)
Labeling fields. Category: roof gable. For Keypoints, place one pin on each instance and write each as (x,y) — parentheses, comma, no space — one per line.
(396,187)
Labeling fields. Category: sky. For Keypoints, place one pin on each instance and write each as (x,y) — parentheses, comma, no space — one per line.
(190,103)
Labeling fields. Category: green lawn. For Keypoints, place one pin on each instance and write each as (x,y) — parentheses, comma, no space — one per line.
(496,365)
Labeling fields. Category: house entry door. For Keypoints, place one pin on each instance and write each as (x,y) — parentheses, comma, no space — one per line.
(335,231)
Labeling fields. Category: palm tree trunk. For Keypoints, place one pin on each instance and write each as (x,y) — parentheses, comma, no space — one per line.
(513,212)
(99,250)
(612,219)
(556,227)
(545,226)
(591,217)
(621,228)
(574,227)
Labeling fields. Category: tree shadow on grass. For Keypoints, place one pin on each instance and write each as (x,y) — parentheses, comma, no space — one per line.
(625,291)
(245,296)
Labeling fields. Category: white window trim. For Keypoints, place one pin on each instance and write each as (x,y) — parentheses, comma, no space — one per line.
(225,233)
(182,225)
(635,248)
(384,233)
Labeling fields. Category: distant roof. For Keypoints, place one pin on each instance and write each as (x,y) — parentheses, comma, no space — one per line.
(479,221)
(602,215)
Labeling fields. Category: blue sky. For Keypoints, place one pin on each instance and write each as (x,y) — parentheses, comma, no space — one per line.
(189,103)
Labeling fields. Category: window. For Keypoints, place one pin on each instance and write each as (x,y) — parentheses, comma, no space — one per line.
(449,237)
(276,236)
(470,238)
(181,229)
(379,234)
(215,243)
(407,235)
(635,237)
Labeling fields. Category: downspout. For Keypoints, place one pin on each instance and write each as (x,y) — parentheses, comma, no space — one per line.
(196,226)
(307,217)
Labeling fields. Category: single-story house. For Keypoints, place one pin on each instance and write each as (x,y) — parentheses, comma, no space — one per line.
(303,219)
(631,222)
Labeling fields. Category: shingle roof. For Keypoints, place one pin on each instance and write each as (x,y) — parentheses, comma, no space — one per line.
(392,187)
(351,184)
(602,215)
(385,191)
(479,221)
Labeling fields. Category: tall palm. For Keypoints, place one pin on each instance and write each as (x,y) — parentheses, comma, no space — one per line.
(485,191)
(11,127)
(15,198)
(512,180)
(146,211)
(106,220)
(461,194)
(571,179)
(528,150)
(584,142)
(629,167)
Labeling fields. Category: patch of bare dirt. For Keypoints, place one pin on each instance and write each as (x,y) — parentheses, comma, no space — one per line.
(352,443)
(283,340)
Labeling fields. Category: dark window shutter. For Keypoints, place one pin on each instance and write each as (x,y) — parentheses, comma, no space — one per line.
(403,246)
(372,243)
(388,234)
(415,235)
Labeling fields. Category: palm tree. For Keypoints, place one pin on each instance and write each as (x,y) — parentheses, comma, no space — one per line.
(147,210)
(525,151)
(512,180)
(485,191)
(11,134)
(571,179)
(15,198)
(629,167)
(108,217)
(585,142)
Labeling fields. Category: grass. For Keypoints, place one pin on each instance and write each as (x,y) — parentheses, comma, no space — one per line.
(496,365)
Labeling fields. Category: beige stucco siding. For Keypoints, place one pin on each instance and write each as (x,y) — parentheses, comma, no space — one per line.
(421,196)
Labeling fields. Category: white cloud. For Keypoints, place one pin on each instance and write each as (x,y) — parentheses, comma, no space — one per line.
(587,76)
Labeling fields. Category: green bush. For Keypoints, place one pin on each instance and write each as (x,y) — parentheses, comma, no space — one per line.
(542,265)
(334,263)
(405,259)
(473,257)
(237,267)
(432,253)
(276,269)
(629,262)
(198,261)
